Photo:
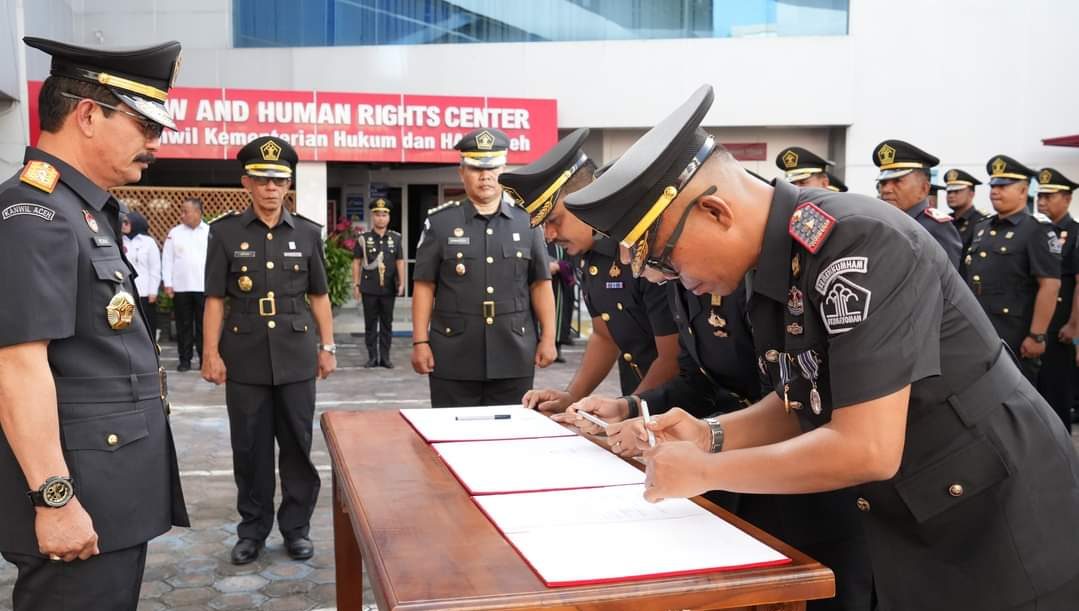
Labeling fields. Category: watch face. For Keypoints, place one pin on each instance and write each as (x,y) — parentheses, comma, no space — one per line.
(57,493)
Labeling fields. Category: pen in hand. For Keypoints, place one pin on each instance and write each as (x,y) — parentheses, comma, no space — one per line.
(484,417)
(647,419)
(589,417)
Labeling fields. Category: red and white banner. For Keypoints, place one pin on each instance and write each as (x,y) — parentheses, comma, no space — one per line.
(327,126)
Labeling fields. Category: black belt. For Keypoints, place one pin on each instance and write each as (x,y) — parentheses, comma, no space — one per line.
(267,306)
(113,389)
(487,309)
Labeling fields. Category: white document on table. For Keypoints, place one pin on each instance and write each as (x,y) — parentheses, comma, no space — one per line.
(603,535)
(442,424)
(522,465)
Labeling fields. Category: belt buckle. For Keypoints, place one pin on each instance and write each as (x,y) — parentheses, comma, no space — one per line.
(268,306)
(489,312)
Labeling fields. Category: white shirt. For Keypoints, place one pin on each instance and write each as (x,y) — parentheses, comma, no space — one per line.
(183,262)
(144,255)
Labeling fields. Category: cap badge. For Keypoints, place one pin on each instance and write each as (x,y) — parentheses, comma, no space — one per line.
(485,141)
(271,151)
(790,160)
(1045,177)
(952,176)
(999,165)
(886,154)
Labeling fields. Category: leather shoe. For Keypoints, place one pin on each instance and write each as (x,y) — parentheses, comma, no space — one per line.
(183,366)
(371,362)
(299,548)
(246,551)
(387,364)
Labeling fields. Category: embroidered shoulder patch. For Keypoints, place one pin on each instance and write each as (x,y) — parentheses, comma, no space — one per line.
(845,303)
(40,175)
(28,209)
(938,216)
(810,226)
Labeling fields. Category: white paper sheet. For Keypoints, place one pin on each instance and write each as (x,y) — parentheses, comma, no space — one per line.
(551,463)
(442,425)
(574,537)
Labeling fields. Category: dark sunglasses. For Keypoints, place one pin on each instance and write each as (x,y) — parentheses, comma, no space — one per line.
(662,263)
(262,181)
(150,129)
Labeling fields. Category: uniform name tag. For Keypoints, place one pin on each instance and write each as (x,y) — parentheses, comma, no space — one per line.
(292,254)
(102,242)
(243,254)
(465,240)
(614,285)
(28,210)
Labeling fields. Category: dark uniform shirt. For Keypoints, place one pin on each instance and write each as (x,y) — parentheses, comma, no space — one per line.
(965,223)
(1067,231)
(265,272)
(63,262)
(483,267)
(986,475)
(368,247)
(1006,258)
(939,225)
(634,310)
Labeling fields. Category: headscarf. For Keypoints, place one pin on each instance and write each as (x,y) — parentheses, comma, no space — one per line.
(138,224)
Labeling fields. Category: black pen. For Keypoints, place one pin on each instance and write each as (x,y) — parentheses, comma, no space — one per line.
(484,417)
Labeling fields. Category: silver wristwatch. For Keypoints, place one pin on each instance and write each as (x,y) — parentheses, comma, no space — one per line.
(331,348)
(717,434)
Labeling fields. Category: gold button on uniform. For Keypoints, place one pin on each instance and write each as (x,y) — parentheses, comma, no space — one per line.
(519,255)
(1003,249)
(863,505)
(490,290)
(605,316)
(119,275)
(955,490)
(619,306)
(269,236)
(112,439)
(977,278)
(269,265)
(271,324)
(296,267)
(269,294)
(490,320)
(243,268)
(448,330)
(983,254)
(460,255)
(628,357)
(490,231)
(993,232)
(490,259)
(1004,311)
(235,329)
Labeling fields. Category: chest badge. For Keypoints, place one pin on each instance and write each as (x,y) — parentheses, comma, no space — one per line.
(795,302)
(458,232)
(245,283)
(120,311)
(718,323)
(91,222)
(460,269)
(615,270)
(794,329)
(1009,235)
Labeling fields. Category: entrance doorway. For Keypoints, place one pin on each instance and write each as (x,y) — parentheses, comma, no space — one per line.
(421,198)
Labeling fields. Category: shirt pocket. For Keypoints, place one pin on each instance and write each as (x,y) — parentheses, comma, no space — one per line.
(521,255)
(105,433)
(459,261)
(243,275)
(113,276)
(295,272)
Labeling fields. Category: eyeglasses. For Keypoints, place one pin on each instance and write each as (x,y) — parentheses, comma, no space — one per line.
(150,129)
(662,263)
(262,181)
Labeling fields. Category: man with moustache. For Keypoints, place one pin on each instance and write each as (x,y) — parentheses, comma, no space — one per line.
(631,323)
(88,469)
(481,284)
(897,384)
(960,196)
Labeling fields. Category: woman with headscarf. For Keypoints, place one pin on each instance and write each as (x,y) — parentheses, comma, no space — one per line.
(143,253)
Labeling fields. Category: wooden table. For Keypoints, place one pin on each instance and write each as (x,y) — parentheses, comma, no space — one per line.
(427,545)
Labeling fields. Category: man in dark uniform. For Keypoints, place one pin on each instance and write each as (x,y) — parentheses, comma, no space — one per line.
(1013,266)
(265,261)
(631,324)
(378,273)
(88,469)
(563,280)
(961,200)
(897,383)
(904,183)
(804,168)
(1056,380)
(834,184)
(481,273)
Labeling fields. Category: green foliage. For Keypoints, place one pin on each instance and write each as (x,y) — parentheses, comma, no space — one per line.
(164,302)
(338,272)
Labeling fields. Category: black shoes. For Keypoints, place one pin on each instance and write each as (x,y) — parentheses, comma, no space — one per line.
(299,548)
(184,366)
(387,364)
(246,551)
(371,362)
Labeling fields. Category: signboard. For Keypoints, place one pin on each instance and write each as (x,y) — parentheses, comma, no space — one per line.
(327,126)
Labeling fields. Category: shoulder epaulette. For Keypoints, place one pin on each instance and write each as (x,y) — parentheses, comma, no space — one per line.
(223,215)
(810,226)
(300,216)
(938,215)
(1041,218)
(40,175)
(442,207)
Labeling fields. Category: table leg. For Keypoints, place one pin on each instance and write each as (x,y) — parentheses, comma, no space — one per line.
(348,562)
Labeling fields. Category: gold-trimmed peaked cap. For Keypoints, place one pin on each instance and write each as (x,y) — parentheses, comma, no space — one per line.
(139,77)
(957,180)
(268,156)
(483,148)
(799,163)
(1003,170)
(535,187)
(896,159)
(380,204)
(834,184)
(631,195)
(1050,180)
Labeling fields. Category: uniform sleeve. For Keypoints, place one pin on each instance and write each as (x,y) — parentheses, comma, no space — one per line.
(217,265)
(1043,252)
(428,254)
(878,292)
(657,305)
(317,282)
(40,259)
(166,260)
(538,271)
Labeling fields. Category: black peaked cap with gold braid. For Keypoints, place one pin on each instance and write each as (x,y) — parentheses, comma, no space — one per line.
(631,195)
(957,180)
(483,148)
(896,159)
(799,163)
(381,204)
(140,78)
(536,185)
(1003,170)
(834,184)
(1050,180)
(269,157)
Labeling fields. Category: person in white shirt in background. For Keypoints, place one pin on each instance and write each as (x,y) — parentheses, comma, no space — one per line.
(145,256)
(183,265)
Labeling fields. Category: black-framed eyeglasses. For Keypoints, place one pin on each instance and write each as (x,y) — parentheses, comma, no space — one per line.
(662,263)
(262,181)
(150,129)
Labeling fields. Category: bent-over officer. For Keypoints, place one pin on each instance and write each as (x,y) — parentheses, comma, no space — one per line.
(1013,266)
(904,183)
(897,384)
(481,284)
(88,469)
(263,266)
(378,276)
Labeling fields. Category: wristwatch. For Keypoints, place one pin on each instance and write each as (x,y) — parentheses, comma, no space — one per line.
(331,348)
(1038,337)
(56,492)
(717,434)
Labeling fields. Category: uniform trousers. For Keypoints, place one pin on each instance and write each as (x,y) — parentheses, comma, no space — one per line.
(188,307)
(110,581)
(1056,380)
(378,325)
(465,393)
(258,414)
